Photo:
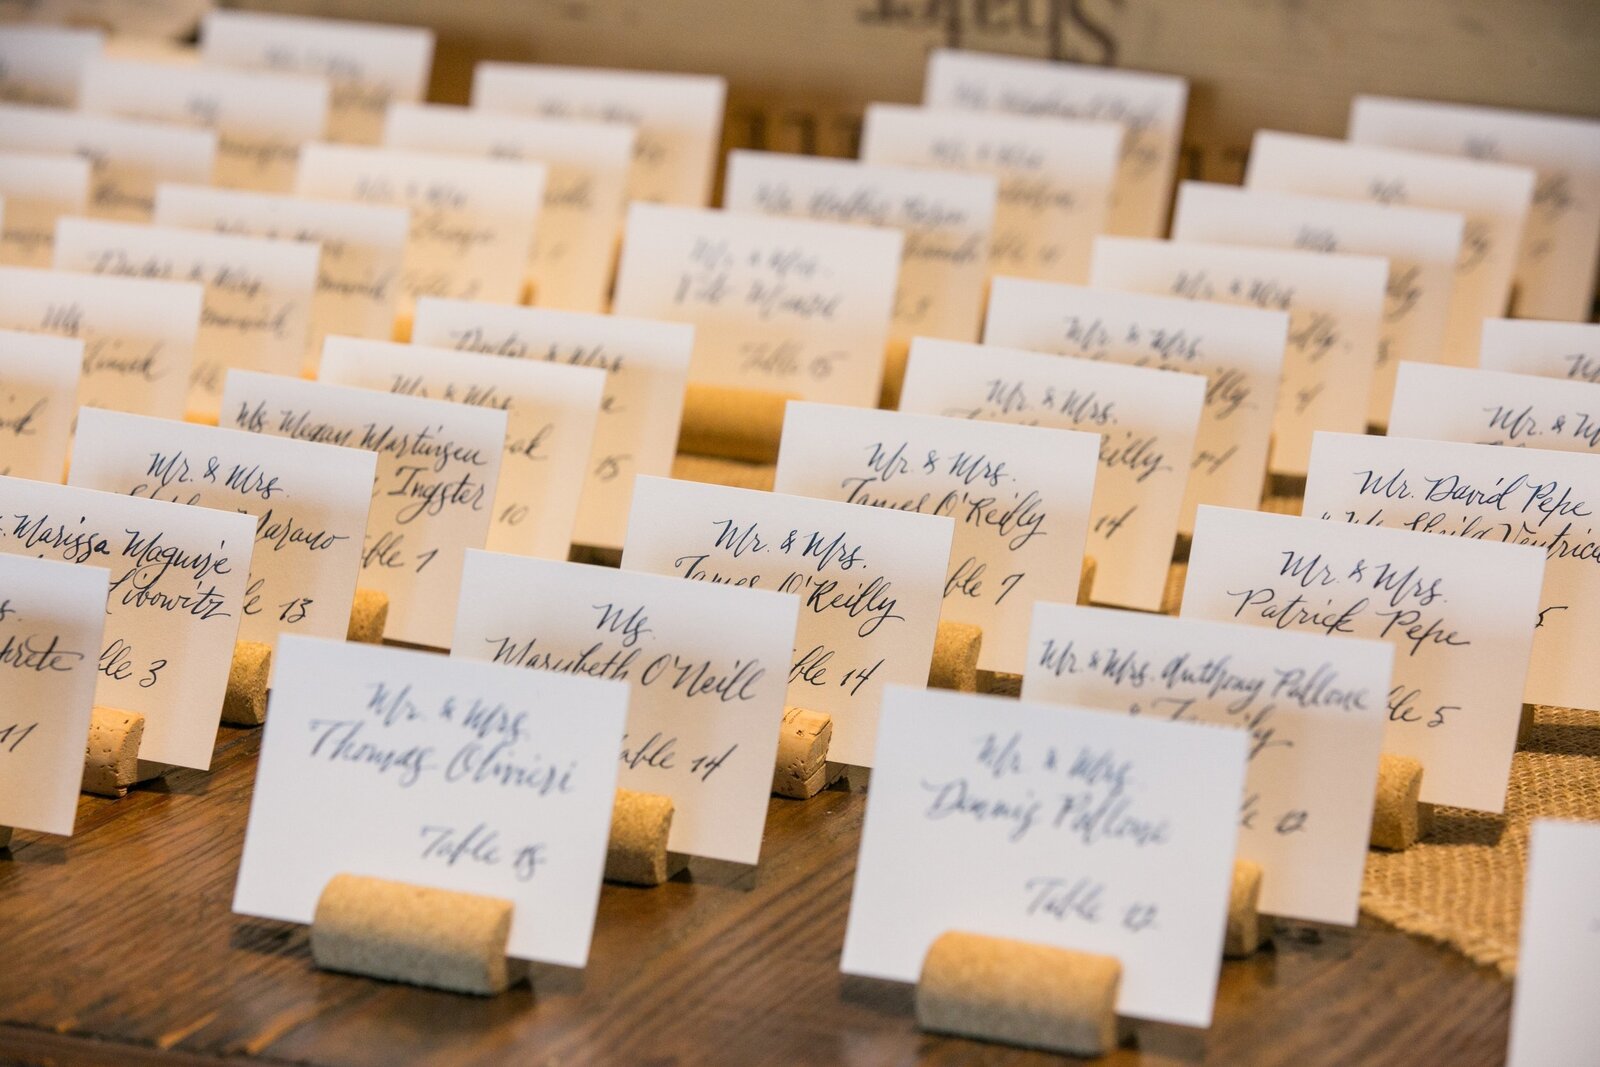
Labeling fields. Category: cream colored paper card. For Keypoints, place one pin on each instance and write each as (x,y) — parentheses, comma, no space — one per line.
(52,615)
(1488,407)
(870,584)
(1459,613)
(1422,248)
(438,463)
(138,334)
(42,65)
(178,581)
(1055,177)
(778,305)
(1313,709)
(678,118)
(436,772)
(1493,197)
(38,398)
(550,409)
(1055,826)
(1150,107)
(1555,275)
(1147,421)
(258,292)
(584,193)
(368,65)
(1558,953)
(472,220)
(38,189)
(646,364)
(1548,349)
(1238,349)
(947,219)
(706,668)
(1335,305)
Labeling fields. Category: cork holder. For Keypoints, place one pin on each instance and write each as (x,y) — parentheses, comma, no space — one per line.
(730,472)
(802,769)
(955,657)
(1399,817)
(369,614)
(408,933)
(5,838)
(1246,931)
(111,758)
(245,701)
(636,853)
(743,424)
(1019,993)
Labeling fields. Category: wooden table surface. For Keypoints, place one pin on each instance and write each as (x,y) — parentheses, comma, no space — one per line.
(117,946)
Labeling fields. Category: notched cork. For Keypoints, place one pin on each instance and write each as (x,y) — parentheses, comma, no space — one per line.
(245,701)
(369,614)
(1246,932)
(744,424)
(955,657)
(636,853)
(802,769)
(111,758)
(1399,817)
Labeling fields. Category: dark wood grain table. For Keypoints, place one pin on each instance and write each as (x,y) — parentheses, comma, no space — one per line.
(117,946)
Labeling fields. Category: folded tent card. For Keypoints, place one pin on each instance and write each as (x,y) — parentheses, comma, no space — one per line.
(1486,407)
(1548,349)
(37,190)
(38,398)
(1558,952)
(43,65)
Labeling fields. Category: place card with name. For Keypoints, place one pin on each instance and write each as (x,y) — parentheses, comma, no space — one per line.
(1515,496)
(138,335)
(1493,197)
(646,364)
(179,579)
(1238,349)
(1422,248)
(1558,953)
(440,772)
(363,250)
(1313,710)
(551,409)
(1486,407)
(42,64)
(706,668)
(261,119)
(1335,305)
(1054,826)
(1055,177)
(38,397)
(129,158)
(38,189)
(257,310)
(368,65)
(52,615)
(1460,614)
(678,118)
(1548,349)
(1020,497)
(1146,419)
(438,463)
(310,503)
(1555,274)
(1150,107)
(870,583)
(947,219)
(472,220)
(779,305)
(584,192)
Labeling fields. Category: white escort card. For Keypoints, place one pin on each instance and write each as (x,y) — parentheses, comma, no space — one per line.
(38,396)
(1422,248)
(38,189)
(138,335)
(1460,614)
(1150,107)
(472,220)
(1055,826)
(368,65)
(1548,349)
(1555,274)
(363,250)
(438,772)
(1314,711)
(52,616)
(646,364)
(1517,496)
(550,409)
(129,157)
(947,218)
(1055,177)
(1493,197)
(43,65)
(1147,421)
(260,119)
(438,463)
(309,502)
(178,580)
(778,305)
(258,292)
(1238,349)
(1553,1020)
(1335,305)
(870,584)
(678,118)
(1486,407)
(585,187)
(706,668)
